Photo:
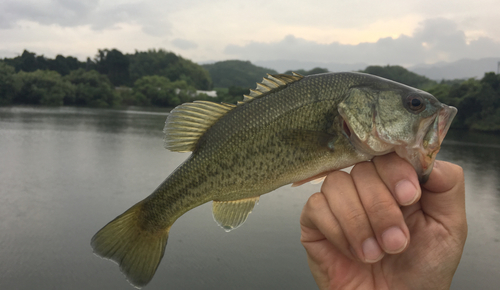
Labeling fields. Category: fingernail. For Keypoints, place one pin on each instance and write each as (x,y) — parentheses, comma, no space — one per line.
(406,192)
(394,240)
(372,251)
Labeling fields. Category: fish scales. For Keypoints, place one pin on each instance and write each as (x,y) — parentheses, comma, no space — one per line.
(292,132)
(243,150)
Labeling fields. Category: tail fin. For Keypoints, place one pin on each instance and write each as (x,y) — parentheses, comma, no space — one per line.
(137,251)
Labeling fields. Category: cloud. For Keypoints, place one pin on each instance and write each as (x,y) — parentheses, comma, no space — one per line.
(72,13)
(184,44)
(151,20)
(434,40)
(62,12)
(317,31)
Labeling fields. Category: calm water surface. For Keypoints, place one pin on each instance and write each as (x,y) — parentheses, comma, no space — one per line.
(65,172)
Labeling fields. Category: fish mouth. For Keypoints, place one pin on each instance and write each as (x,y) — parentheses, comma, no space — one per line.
(423,155)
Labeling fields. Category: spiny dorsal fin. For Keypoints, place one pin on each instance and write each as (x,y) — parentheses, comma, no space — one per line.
(247,98)
(232,214)
(269,84)
(187,122)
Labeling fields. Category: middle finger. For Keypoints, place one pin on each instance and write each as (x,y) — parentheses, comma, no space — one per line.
(346,206)
(383,211)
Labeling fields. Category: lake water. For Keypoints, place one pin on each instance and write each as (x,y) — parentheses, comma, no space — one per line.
(65,172)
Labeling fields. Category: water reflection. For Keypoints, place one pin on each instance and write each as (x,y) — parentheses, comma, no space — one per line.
(83,119)
(64,172)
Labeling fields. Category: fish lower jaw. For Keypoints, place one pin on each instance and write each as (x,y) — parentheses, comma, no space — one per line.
(421,160)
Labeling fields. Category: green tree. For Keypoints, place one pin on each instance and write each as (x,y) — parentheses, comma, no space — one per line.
(464,97)
(64,65)
(493,80)
(236,73)
(29,62)
(7,84)
(160,91)
(92,89)
(441,92)
(59,65)
(489,99)
(127,98)
(169,65)
(42,88)
(478,102)
(113,64)
(230,95)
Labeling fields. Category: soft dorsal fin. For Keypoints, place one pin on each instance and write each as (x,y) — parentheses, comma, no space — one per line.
(232,214)
(269,84)
(187,122)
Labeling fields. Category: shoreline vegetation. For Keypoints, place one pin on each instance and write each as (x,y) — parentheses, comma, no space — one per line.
(158,78)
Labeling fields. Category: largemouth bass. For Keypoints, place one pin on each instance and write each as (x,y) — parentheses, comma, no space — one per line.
(288,130)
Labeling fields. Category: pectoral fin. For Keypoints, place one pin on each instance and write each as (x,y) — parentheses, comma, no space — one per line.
(232,214)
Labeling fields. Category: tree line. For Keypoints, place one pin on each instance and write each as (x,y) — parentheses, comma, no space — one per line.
(150,78)
(121,69)
(161,78)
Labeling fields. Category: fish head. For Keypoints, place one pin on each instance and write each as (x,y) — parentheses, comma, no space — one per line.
(382,119)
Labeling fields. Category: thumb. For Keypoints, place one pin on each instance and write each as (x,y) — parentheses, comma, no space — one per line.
(443,195)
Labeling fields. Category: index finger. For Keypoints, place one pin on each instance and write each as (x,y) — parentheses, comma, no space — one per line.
(400,178)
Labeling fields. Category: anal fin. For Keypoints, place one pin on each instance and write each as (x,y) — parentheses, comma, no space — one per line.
(232,214)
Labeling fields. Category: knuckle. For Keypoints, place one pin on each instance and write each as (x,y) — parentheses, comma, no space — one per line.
(333,178)
(361,167)
(316,201)
(356,218)
(383,206)
(459,170)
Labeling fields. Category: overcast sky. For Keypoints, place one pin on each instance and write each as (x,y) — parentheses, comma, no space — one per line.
(345,31)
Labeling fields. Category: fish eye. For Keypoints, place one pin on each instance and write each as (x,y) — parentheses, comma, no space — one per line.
(415,103)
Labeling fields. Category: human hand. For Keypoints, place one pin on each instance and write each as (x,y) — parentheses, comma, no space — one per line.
(378,228)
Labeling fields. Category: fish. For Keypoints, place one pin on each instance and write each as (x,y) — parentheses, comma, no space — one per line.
(289,130)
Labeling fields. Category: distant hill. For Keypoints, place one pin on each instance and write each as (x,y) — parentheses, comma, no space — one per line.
(462,69)
(238,73)
(401,75)
(293,65)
